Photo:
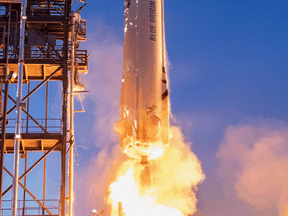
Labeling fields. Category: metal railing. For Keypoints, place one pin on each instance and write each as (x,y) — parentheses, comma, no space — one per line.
(47,8)
(13,54)
(82,57)
(81,29)
(44,52)
(50,125)
(31,207)
(36,52)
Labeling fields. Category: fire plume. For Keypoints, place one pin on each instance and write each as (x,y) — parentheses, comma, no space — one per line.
(162,188)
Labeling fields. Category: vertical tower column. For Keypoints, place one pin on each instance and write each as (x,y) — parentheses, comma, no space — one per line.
(18,109)
(64,109)
(4,117)
(74,16)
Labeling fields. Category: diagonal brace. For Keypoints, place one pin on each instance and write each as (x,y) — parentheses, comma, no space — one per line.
(46,40)
(33,166)
(35,89)
(44,207)
(34,120)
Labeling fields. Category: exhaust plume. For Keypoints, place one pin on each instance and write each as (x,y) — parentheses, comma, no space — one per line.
(174,179)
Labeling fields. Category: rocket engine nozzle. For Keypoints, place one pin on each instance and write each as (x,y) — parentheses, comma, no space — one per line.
(144,160)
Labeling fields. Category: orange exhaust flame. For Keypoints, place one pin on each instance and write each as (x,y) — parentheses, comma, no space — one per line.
(163,187)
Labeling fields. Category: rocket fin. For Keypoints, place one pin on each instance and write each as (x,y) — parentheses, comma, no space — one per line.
(124,128)
(154,126)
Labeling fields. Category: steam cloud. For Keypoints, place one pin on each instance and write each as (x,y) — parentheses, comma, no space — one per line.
(253,157)
(104,83)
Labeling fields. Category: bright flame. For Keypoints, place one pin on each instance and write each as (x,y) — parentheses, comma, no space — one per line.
(153,151)
(126,189)
(163,188)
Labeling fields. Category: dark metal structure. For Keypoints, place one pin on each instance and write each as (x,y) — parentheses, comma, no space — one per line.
(39,43)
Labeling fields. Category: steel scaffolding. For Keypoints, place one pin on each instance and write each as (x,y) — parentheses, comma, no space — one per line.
(39,43)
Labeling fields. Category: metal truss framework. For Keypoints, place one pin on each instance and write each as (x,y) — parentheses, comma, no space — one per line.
(50,43)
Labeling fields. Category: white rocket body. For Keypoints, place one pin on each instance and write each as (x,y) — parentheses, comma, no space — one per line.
(144,102)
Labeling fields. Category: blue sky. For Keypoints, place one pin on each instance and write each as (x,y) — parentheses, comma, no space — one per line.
(229,67)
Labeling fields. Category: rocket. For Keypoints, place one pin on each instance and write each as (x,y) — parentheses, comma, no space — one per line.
(144,101)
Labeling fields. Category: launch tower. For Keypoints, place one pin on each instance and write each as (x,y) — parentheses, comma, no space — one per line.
(39,45)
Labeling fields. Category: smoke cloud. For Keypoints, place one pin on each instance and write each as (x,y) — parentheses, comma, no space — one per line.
(253,158)
(104,84)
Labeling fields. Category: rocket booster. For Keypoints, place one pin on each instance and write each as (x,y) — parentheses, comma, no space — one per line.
(144,102)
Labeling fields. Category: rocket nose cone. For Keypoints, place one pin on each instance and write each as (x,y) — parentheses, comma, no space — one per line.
(144,160)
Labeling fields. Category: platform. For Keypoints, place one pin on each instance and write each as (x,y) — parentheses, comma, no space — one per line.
(34,71)
(40,69)
(33,142)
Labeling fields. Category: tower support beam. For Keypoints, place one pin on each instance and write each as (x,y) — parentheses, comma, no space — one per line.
(26,190)
(28,115)
(33,166)
(4,118)
(71,115)
(64,110)
(35,89)
(52,32)
(18,109)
